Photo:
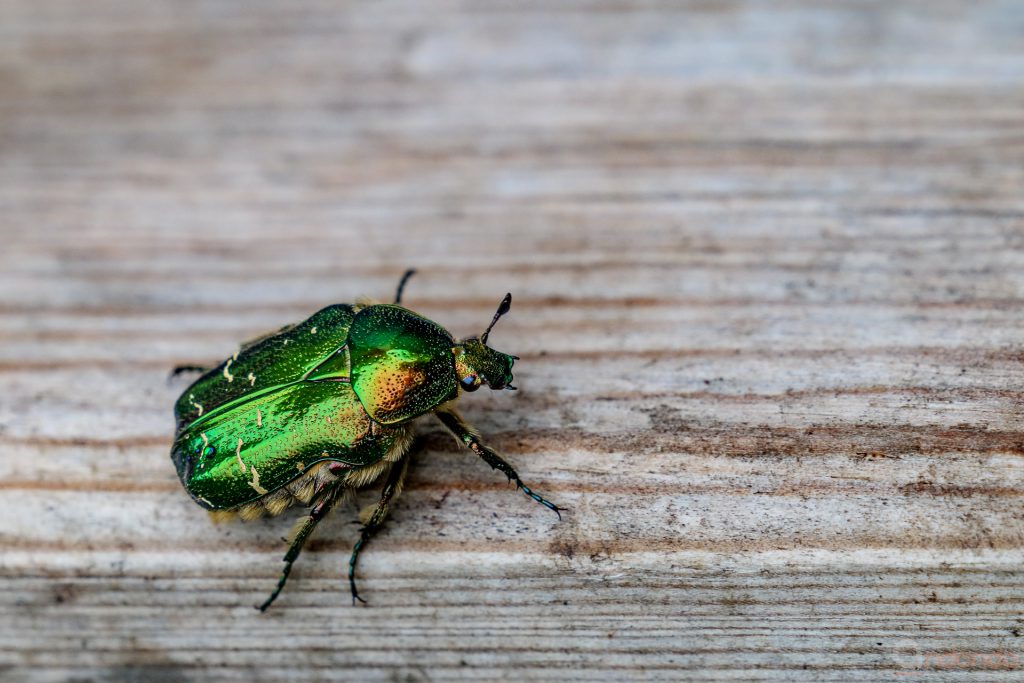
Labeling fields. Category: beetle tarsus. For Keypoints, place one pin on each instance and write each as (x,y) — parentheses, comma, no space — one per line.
(392,486)
(316,513)
(355,593)
(277,591)
(364,536)
(540,499)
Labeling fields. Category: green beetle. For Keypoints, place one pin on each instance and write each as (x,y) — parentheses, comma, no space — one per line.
(326,406)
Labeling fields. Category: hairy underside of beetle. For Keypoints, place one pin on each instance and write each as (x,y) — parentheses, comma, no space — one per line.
(304,488)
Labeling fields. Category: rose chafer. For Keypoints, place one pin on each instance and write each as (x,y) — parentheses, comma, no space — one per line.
(324,407)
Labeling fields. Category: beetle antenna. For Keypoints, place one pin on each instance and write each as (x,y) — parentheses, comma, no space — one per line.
(503,307)
(401,284)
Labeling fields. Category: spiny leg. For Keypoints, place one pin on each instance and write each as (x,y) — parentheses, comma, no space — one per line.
(392,489)
(464,433)
(316,513)
(401,284)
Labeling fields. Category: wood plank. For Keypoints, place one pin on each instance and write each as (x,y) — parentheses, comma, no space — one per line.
(767,261)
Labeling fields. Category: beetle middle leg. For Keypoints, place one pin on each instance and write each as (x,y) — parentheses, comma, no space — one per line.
(465,434)
(316,513)
(392,488)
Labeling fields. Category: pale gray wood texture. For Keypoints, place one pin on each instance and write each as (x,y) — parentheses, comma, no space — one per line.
(768,267)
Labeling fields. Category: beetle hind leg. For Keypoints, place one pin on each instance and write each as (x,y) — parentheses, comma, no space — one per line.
(317,513)
(372,524)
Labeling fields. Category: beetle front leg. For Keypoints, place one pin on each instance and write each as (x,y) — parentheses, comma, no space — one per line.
(464,433)
(392,488)
(316,513)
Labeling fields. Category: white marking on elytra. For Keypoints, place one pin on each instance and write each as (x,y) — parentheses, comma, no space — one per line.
(202,453)
(238,454)
(259,418)
(252,380)
(227,375)
(328,418)
(255,483)
(313,331)
(192,400)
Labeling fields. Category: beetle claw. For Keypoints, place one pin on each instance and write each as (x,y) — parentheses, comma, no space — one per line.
(355,593)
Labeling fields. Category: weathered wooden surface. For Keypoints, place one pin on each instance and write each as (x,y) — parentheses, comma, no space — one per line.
(768,261)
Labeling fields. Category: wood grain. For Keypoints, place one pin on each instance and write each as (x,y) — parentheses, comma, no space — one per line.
(768,268)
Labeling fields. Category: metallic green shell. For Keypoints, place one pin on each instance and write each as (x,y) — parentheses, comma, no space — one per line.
(267,363)
(256,444)
(402,363)
(326,389)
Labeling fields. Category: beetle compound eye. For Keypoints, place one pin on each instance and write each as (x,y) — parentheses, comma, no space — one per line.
(469,383)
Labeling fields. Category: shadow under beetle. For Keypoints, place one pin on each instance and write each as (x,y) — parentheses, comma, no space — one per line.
(326,406)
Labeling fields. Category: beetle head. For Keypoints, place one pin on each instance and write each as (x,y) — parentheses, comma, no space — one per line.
(476,363)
